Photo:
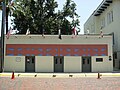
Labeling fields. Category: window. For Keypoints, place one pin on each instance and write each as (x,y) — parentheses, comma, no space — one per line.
(40,49)
(32,55)
(84,55)
(84,49)
(33,60)
(103,55)
(33,49)
(76,55)
(96,49)
(10,54)
(48,49)
(76,49)
(56,54)
(96,54)
(27,54)
(83,61)
(56,49)
(39,54)
(99,59)
(27,48)
(61,49)
(89,55)
(92,28)
(88,61)
(61,55)
(68,49)
(102,22)
(56,61)
(19,55)
(109,17)
(88,49)
(19,49)
(11,49)
(68,55)
(48,55)
(60,60)
(103,49)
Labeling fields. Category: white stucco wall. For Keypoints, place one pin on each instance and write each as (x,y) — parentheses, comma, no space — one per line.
(105,66)
(66,39)
(72,64)
(14,63)
(44,64)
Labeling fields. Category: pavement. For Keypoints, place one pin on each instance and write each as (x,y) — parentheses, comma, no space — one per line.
(82,83)
(59,75)
(59,81)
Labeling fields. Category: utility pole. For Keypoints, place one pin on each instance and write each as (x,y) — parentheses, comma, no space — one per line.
(2,34)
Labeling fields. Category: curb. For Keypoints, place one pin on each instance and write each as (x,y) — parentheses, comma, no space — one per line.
(56,75)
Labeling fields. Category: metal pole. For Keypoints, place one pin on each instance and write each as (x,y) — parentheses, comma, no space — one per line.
(0,52)
(2,35)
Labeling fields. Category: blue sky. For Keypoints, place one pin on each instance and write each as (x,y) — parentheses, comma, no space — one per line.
(84,9)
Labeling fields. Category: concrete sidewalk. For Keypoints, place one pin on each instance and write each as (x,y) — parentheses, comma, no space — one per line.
(59,75)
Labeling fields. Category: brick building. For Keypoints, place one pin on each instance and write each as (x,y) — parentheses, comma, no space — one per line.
(33,53)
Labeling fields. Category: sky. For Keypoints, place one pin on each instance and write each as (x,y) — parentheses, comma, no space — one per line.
(84,9)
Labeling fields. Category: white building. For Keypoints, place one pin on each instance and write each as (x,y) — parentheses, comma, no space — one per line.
(106,18)
(34,53)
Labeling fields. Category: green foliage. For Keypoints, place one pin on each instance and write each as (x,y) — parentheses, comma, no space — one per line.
(40,14)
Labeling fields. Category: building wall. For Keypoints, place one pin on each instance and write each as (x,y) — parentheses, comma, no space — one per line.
(72,64)
(80,42)
(112,27)
(66,39)
(90,25)
(105,66)
(44,64)
(14,63)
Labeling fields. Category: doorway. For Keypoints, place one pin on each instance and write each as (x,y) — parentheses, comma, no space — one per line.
(30,64)
(58,63)
(86,64)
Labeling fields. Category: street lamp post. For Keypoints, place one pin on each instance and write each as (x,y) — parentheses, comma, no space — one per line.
(2,35)
(0,51)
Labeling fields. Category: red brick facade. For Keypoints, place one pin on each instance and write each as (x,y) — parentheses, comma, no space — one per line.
(56,50)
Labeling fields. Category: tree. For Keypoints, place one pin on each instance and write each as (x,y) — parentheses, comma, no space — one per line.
(69,11)
(39,15)
(35,15)
(0,4)
(9,10)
